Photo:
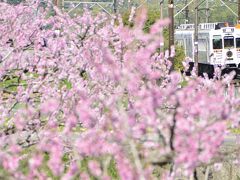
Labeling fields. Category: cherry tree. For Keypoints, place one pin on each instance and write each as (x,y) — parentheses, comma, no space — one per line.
(83,89)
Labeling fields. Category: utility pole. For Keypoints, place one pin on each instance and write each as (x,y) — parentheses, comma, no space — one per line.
(196,36)
(161,9)
(207,11)
(161,17)
(238,11)
(186,12)
(171,28)
(115,6)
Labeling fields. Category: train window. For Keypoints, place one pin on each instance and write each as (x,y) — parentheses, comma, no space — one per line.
(217,42)
(237,42)
(228,42)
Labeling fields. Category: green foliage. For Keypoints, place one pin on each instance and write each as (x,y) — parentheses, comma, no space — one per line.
(10,84)
(112,170)
(24,162)
(238,178)
(222,14)
(65,83)
(153,15)
(180,54)
(179,57)
(235,131)
(166,37)
(184,83)
(125,18)
(218,12)
(3,173)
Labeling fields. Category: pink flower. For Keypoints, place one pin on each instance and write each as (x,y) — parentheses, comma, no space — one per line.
(11,163)
(55,164)
(49,106)
(84,176)
(35,161)
(73,169)
(94,168)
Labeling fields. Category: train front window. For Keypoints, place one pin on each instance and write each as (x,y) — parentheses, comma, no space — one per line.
(237,42)
(217,42)
(228,42)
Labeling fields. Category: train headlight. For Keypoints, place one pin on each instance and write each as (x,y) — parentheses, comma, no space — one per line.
(229,54)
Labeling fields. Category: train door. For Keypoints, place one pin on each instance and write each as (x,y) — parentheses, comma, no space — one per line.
(216,52)
(238,49)
(203,50)
(189,45)
(229,51)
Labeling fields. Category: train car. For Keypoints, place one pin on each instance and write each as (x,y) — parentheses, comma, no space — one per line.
(217,45)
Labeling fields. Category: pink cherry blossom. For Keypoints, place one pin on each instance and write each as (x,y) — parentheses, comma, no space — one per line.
(88,88)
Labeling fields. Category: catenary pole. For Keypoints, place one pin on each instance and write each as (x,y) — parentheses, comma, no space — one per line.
(161,17)
(207,11)
(196,37)
(186,12)
(115,6)
(171,28)
(238,11)
(161,9)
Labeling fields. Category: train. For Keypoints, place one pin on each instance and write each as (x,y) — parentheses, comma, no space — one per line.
(218,45)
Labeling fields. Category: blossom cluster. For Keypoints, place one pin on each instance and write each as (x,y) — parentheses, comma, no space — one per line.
(76,89)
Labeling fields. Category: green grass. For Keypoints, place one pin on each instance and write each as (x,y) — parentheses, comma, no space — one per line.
(112,169)
(65,83)
(235,131)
